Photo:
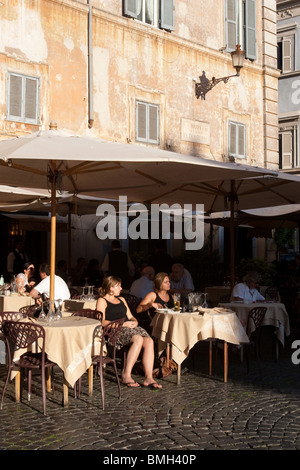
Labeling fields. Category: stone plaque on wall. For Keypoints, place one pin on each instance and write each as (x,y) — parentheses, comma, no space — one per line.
(195,131)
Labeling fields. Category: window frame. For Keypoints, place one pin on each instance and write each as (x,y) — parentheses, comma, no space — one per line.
(242,27)
(289,129)
(286,36)
(22,99)
(161,13)
(237,126)
(148,107)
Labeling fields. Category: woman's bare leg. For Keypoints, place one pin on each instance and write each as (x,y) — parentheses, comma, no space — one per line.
(132,356)
(148,361)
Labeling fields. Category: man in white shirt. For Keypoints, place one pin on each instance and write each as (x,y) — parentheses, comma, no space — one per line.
(142,286)
(246,291)
(61,290)
(181,280)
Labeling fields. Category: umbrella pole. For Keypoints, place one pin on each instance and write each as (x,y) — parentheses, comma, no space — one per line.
(69,242)
(53,235)
(232,241)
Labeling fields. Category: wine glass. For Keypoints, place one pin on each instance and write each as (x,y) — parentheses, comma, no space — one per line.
(42,315)
(205,304)
(58,315)
(51,312)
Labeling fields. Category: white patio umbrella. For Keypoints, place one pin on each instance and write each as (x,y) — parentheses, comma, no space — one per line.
(90,166)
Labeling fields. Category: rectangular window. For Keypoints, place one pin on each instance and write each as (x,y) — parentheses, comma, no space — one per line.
(147,122)
(288,155)
(236,140)
(240,26)
(22,98)
(286,53)
(158,13)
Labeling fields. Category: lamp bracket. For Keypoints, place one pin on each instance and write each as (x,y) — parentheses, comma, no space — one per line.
(205,85)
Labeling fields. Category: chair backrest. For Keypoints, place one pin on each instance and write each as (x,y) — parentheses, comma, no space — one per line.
(272,293)
(28,310)
(224,298)
(88,313)
(11,316)
(22,335)
(109,332)
(132,301)
(257,315)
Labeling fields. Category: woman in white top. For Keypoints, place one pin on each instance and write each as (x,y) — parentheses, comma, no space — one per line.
(24,280)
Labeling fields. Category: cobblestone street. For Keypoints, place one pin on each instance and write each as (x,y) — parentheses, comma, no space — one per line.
(202,413)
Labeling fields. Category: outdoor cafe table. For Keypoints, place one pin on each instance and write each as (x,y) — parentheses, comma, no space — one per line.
(13,302)
(214,294)
(183,330)
(276,315)
(73,305)
(68,343)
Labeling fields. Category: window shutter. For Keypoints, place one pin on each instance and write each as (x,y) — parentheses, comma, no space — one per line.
(130,8)
(286,55)
(241,142)
(30,100)
(153,124)
(141,121)
(15,97)
(287,150)
(232,139)
(250,29)
(231,24)
(237,140)
(167,15)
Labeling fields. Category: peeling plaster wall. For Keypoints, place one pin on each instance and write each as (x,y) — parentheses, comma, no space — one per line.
(131,60)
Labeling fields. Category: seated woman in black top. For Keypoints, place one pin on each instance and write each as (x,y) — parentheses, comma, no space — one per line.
(114,307)
(159,298)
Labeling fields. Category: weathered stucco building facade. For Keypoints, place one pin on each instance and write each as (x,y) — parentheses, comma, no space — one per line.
(90,67)
(125,70)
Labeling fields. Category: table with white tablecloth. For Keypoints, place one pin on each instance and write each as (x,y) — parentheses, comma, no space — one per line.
(69,344)
(276,315)
(13,302)
(183,330)
(73,305)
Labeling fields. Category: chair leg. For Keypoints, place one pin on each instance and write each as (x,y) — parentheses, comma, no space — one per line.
(5,387)
(117,375)
(29,378)
(102,386)
(44,389)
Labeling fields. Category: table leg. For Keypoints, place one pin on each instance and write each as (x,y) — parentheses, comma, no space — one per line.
(90,374)
(178,373)
(48,379)
(18,387)
(225,361)
(65,394)
(210,358)
(168,355)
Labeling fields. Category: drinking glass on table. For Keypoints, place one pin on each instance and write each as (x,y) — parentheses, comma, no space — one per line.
(51,312)
(177,302)
(42,315)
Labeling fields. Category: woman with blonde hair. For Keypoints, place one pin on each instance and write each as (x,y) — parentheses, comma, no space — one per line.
(114,307)
(160,297)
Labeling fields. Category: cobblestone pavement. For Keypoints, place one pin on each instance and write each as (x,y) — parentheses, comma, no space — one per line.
(202,413)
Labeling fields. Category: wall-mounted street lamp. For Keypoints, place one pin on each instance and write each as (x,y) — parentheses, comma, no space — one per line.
(205,85)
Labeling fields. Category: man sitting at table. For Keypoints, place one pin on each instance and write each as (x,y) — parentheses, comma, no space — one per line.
(246,291)
(181,280)
(61,290)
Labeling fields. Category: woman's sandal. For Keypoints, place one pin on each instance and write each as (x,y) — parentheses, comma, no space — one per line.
(131,384)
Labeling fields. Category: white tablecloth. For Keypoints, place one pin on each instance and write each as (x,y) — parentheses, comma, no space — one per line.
(183,330)
(276,315)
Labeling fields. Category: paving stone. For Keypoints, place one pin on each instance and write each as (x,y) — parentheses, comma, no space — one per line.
(202,413)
